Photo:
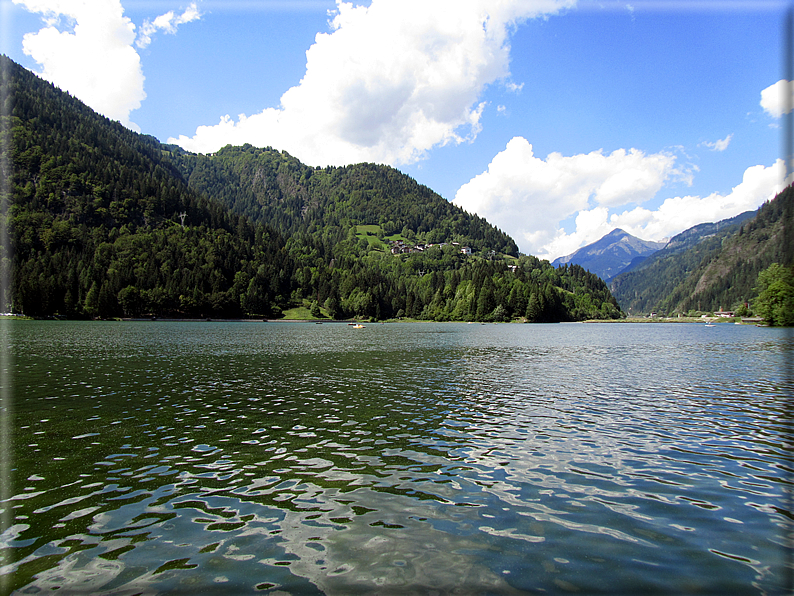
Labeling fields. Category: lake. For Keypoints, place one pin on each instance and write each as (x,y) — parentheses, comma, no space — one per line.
(286,458)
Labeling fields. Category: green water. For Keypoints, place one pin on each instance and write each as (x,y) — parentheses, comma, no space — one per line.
(237,458)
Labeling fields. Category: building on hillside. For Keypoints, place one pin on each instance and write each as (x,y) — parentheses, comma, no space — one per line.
(398,247)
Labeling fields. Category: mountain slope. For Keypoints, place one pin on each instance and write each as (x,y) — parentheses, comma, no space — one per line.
(608,256)
(273,187)
(692,236)
(709,266)
(104,223)
(95,223)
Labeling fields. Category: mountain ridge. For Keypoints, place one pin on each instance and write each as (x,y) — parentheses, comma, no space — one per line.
(104,223)
(272,186)
(711,265)
(610,254)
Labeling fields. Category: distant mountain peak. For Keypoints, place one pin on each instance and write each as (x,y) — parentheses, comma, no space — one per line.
(709,265)
(609,255)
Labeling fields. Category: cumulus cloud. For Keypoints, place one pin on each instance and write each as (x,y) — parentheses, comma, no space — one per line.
(719,145)
(759,183)
(777,99)
(95,60)
(529,197)
(86,48)
(389,82)
(167,22)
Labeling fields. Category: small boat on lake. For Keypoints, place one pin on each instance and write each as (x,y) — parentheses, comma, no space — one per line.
(358,326)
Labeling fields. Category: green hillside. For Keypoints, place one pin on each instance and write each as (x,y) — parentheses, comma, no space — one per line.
(105,223)
(273,187)
(96,228)
(710,266)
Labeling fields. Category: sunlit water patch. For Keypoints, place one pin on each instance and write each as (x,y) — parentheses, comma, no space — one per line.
(238,458)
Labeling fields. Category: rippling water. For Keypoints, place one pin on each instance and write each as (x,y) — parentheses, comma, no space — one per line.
(238,458)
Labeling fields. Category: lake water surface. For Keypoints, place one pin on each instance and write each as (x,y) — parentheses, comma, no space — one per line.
(278,458)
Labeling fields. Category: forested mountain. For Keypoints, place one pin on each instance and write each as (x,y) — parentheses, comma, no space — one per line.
(694,235)
(711,265)
(271,186)
(95,222)
(687,239)
(105,222)
(609,255)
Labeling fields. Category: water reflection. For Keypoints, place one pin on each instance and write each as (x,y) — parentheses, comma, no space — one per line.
(242,458)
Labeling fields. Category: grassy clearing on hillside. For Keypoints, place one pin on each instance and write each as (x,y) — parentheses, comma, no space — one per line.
(304,313)
(372,234)
(369,229)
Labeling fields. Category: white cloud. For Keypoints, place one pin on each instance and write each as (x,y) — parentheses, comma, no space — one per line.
(528,197)
(167,22)
(388,83)
(759,183)
(719,145)
(777,99)
(95,61)
(86,48)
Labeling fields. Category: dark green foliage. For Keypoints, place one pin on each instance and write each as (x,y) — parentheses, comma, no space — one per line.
(109,223)
(273,187)
(96,228)
(775,301)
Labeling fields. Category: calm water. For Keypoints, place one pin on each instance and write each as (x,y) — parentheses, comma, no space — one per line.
(253,458)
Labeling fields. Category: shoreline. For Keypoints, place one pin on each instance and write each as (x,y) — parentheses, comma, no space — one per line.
(629,320)
(691,320)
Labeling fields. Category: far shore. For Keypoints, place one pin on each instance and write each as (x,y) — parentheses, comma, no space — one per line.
(698,320)
(702,320)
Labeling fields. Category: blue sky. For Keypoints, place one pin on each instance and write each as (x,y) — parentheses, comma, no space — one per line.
(556,120)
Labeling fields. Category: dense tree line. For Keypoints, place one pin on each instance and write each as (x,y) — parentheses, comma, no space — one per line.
(442,284)
(729,275)
(95,217)
(105,222)
(775,299)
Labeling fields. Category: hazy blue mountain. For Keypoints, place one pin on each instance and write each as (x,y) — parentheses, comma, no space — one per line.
(611,254)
